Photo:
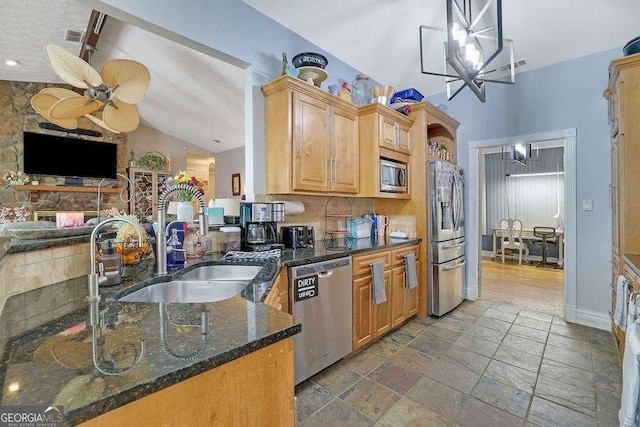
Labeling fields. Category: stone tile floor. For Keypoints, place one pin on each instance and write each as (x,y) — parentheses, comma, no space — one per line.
(484,364)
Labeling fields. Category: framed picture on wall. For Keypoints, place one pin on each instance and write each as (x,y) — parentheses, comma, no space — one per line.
(235,184)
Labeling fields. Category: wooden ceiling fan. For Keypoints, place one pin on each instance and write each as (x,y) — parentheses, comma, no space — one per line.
(110,97)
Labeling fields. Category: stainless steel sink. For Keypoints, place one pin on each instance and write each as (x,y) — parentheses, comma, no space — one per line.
(244,273)
(187,291)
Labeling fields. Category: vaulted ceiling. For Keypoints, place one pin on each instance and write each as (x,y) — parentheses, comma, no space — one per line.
(377,37)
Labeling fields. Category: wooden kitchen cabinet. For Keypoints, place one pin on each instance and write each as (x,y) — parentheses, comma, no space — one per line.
(405,300)
(394,134)
(371,321)
(311,140)
(624,119)
(147,185)
(278,296)
(256,389)
(383,133)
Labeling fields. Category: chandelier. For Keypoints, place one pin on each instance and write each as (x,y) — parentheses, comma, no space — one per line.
(474,50)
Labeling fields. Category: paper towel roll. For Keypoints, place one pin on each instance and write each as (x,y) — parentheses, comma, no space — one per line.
(291,207)
(231,206)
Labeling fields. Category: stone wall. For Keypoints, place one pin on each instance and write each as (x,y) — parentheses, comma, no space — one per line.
(16,116)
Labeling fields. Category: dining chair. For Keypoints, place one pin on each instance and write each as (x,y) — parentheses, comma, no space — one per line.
(511,238)
(548,236)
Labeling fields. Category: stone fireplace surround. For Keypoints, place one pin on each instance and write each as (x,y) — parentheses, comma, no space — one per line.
(16,116)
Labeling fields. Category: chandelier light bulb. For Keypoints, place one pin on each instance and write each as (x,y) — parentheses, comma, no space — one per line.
(471,53)
(459,34)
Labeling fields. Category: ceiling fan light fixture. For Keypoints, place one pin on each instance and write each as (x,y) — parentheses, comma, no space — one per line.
(72,69)
(73,107)
(45,99)
(121,116)
(123,84)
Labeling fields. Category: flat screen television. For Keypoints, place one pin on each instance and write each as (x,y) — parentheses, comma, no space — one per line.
(69,157)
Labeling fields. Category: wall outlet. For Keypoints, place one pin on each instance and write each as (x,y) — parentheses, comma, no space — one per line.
(587,204)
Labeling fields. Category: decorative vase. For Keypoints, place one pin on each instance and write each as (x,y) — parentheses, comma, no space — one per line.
(184,211)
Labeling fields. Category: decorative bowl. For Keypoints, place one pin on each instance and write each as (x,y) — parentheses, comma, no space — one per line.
(632,47)
(309,59)
(313,75)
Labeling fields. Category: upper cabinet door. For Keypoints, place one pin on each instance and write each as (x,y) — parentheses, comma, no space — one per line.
(404,144)
(394,135)
(311,156)
(344,161)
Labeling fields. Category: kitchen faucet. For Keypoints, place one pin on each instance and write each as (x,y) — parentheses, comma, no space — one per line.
(161,238)
(95,279)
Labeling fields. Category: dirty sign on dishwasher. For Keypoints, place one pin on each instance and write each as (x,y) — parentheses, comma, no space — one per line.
(306,287)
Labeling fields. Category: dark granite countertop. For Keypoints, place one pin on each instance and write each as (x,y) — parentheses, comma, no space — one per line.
(54,363)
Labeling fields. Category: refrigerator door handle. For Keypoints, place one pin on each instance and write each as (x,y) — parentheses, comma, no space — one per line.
(453,246)
(458,199)
(453,267)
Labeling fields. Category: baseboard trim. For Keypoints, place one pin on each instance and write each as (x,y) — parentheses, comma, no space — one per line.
(595,319)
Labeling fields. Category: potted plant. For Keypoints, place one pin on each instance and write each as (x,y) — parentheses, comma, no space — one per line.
(35,180)
(16,178)
(185,208)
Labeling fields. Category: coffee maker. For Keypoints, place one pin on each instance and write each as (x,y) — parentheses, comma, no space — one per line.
(259,226)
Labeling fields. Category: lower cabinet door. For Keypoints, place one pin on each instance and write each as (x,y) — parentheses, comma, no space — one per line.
(362,311)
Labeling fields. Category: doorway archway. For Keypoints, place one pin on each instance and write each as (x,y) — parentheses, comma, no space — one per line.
(474,239)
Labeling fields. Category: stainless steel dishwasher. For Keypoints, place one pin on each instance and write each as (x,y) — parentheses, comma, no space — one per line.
(322,300)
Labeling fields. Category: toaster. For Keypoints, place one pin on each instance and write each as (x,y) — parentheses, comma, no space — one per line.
(297,236)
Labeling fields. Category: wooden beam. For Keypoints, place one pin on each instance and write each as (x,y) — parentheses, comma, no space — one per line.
(92,34)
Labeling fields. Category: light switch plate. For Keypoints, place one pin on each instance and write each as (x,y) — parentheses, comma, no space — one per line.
(587,204)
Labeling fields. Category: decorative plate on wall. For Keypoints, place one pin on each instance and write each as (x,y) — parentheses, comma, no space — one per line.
(153,160)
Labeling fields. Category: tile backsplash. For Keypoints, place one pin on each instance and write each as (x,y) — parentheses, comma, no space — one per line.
(317,206)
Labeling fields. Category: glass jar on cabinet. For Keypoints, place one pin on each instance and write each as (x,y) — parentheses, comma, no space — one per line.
(361,90)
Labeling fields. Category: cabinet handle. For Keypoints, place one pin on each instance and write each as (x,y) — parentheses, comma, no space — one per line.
(331,169)
(335,167)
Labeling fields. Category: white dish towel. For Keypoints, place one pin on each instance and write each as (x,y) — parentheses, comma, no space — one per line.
(620,313)
(628,414)
(632,310)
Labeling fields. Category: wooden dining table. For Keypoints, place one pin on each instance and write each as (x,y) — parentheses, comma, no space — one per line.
(527,234)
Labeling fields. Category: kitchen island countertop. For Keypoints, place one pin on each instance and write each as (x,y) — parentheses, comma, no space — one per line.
(54,363)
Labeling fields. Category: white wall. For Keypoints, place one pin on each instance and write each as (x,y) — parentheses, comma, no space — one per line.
(145,139)
(562,96)
(228,163)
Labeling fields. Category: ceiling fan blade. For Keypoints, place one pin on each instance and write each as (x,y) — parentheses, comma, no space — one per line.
(73,106)
(130,78)
(42,102)
(71,68)
(121,116)
(100,123)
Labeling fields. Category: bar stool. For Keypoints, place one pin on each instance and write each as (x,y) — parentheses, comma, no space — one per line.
(546,234)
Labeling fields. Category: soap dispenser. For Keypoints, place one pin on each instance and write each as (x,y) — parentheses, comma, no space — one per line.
(109,263)
(175,253)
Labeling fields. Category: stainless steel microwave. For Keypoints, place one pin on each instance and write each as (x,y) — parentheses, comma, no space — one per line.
(393,176)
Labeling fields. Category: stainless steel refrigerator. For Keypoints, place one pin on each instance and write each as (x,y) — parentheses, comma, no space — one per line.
(446,237)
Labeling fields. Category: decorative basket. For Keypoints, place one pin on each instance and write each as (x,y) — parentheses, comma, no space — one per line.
(153,160)
(344,94)
(132,256)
